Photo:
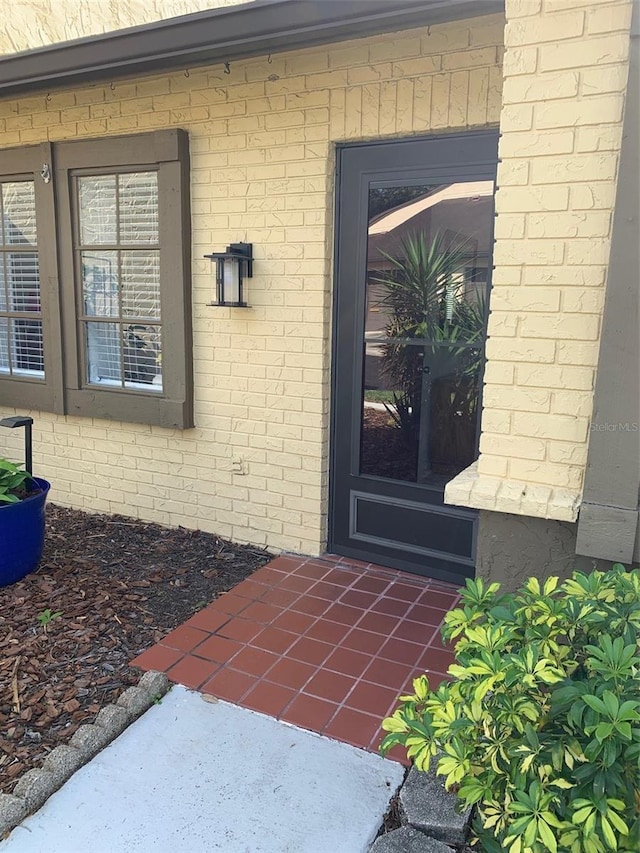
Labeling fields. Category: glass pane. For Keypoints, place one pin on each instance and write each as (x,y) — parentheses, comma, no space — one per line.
(3,291)
(138,207)
(19,213)
(389,442)
(23,283)
(425,315)
(100,283)
(97,200)
(420,408)
(427,263)
(141,284)
(103,354)
(142,357)
(26,347)
(4,345)
(452,413)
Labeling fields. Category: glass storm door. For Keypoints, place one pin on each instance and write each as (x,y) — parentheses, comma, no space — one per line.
(413,267)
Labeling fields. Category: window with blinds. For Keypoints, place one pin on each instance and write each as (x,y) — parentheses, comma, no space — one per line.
(95,278)
(118,256)
(21,351)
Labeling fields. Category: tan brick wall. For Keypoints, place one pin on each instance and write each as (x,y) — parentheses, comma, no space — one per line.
(262,144)
(34,23)
(565,72)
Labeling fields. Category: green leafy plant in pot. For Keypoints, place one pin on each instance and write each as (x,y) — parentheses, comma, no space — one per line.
(22,519)
(539,728)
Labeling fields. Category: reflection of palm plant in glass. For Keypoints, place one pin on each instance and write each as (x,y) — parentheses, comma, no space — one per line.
(425,301)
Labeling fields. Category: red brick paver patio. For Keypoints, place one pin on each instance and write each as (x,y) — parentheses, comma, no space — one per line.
(327,644)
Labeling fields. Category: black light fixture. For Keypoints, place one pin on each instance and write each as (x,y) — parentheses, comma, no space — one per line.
(26,422)
(232,267)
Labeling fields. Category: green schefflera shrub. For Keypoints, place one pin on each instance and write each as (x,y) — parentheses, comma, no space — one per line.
(539,728)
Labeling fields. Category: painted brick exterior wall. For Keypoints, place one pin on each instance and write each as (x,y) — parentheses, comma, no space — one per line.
(256,466)
(33,23)
(565,74)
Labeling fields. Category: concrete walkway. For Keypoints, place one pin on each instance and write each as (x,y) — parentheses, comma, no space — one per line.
(192,776)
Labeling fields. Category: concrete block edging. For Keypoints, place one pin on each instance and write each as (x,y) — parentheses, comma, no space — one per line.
(37,785)
(431,822)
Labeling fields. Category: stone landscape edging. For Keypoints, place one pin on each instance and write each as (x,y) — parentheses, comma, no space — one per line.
(35,787)
(430,820)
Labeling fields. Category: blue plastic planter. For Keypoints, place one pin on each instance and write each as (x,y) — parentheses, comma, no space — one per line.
(22,535)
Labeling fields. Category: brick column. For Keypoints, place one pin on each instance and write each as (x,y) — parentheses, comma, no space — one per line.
(565,76)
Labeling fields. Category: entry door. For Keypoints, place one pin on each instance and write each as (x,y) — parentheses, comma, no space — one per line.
(413,266)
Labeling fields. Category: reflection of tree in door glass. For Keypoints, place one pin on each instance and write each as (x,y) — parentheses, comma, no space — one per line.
(386,198)
(427,262)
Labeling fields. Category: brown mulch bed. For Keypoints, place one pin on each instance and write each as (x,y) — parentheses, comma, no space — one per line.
(118,585)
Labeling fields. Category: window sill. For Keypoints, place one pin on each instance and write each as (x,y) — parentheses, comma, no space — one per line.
(480,491)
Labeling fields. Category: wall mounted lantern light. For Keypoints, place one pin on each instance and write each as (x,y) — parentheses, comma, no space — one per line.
(232,267)
(26,422)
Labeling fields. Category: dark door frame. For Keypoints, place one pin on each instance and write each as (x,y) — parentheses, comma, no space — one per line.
(482,167)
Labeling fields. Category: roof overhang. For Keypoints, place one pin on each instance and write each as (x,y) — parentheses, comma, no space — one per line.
(221,35)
